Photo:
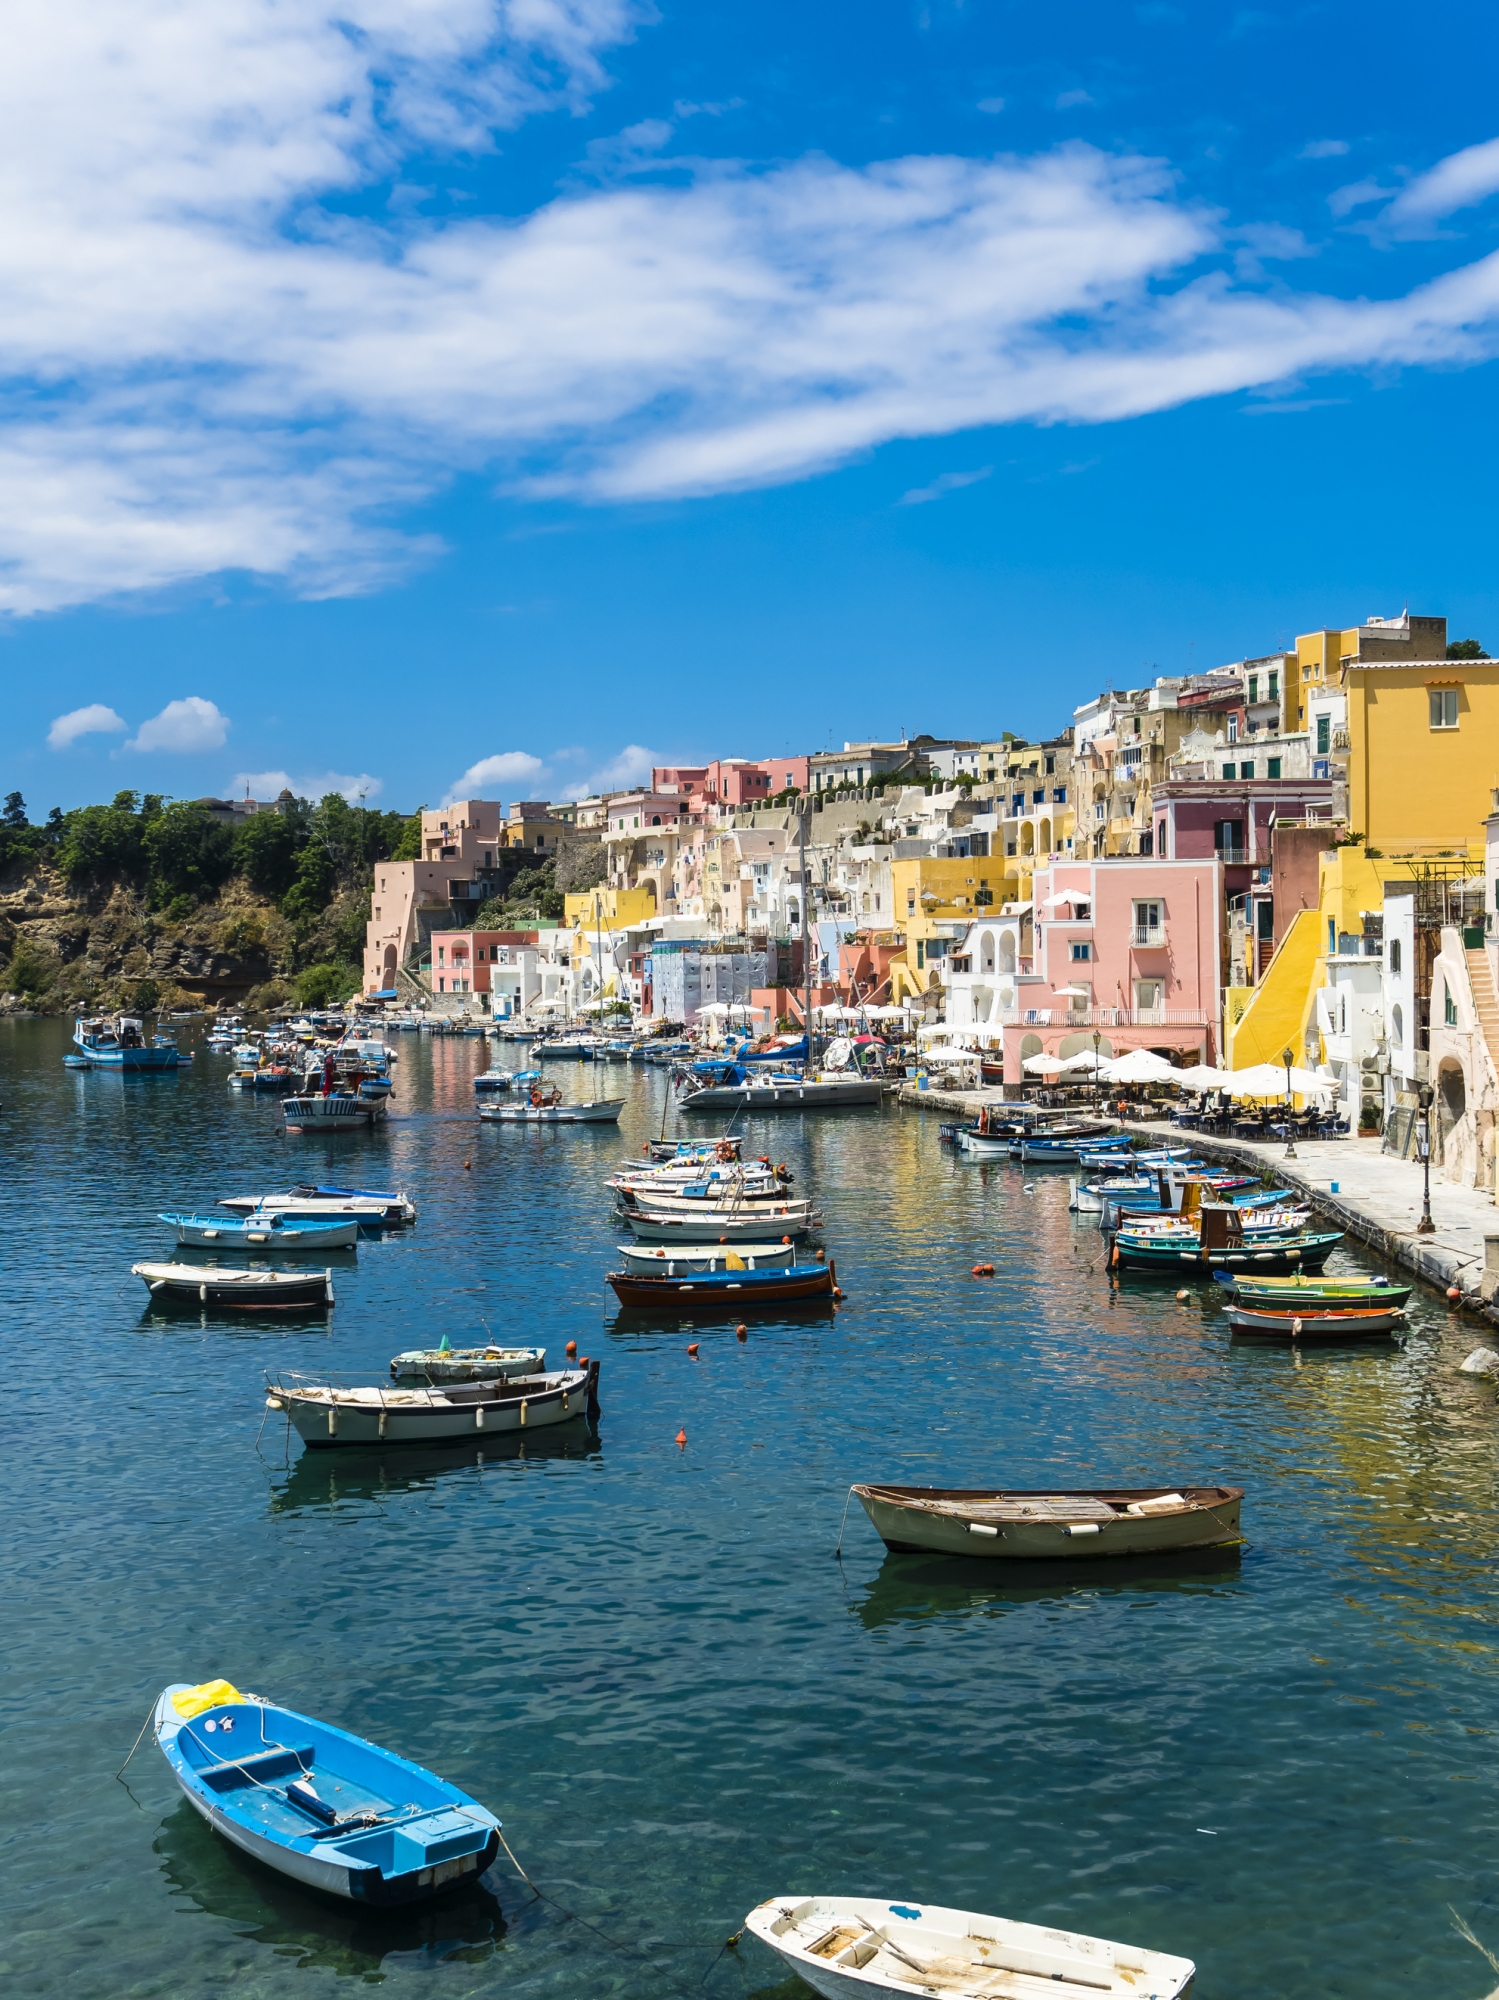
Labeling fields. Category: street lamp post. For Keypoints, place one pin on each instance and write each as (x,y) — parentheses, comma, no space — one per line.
(1425,1227)
(1290,1153)
(1097,1086)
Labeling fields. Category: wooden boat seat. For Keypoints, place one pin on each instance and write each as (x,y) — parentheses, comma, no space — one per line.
(1059,1508)
(261,1765)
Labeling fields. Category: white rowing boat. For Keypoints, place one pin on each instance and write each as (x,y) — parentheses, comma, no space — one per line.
(467,1364)
(682,1260)
(844,1946)
(604,1112)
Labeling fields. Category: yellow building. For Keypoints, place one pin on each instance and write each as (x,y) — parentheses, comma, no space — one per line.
(1319,656)
(1423,752)
(608,909)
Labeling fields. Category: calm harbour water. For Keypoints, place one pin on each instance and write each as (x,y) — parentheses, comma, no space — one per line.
(645,1659)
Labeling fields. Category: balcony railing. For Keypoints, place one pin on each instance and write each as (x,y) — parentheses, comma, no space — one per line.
(1114,1017)
(1145,937)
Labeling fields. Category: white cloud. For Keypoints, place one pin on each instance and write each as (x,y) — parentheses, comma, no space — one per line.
(221,352)
(504,772)
(1323,149)
(95,720)
(1070,99)
(991,105)
(630,768)
(945,482)
(1459,181)
(186,725)
(270,785)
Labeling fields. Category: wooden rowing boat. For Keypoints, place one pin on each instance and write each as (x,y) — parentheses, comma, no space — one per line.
(326,1413)
(243,1291)
(721,1291)
(848,1946)
(1045,1526)
(1312,1320)
(466,1364)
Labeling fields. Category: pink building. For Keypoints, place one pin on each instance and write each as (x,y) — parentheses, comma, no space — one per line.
(459,844)
(733,781)
(1127,949)
(468,961)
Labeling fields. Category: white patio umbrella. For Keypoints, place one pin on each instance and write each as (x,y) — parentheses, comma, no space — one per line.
(715,1007)
(1269,1080)
(1084,1063)
(1202,1076)
(1038,1065)
(1139,1066)
(951,1056)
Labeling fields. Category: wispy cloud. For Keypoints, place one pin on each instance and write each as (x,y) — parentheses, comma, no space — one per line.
(183,726)
(267,785)
(1460,181)
(217,359)
(630,768)
(945,482)
(1323,149)
(501,773)
(95,720)
(1071,99)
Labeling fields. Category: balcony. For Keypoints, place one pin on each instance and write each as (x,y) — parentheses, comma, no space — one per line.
(1147,937)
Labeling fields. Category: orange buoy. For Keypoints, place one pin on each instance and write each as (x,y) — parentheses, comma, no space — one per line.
(467,1165)
(1184,1293)
(741,1332)
(1454,1292)
(692,1347)
(821,1256)
(983,1270)
(785,1239)
(681,1438)
(837,1294)
(572,1349)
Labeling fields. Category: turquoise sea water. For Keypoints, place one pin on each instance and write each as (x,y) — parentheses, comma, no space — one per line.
(645,1658)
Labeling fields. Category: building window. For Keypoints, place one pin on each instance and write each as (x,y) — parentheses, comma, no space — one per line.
(1254,687)
(1272,768)
(1332,937)
(1230,770)
(1081,951)
(1394,955)
(1228,839)
(1449,1011)
(1274,686)
(1147,842)
(1233,729)
(1324,735)
(1051,765)
(442,954)
(1443,708)
(1038,798)
(1059,795)
(1148,929)
(1160,839)
(1246,770)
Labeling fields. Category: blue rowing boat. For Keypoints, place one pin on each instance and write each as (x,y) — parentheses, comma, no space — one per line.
(265,1232)
(318,1804)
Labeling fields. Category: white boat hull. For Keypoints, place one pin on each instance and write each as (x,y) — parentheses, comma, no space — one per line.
(846,1946)
(334,1235)
(326,1416)
(710,1228)
(605,1112)
(984,1145)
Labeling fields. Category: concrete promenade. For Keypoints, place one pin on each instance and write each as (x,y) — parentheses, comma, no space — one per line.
(1377,1199)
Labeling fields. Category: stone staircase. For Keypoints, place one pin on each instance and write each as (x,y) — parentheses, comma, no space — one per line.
(1485,1000)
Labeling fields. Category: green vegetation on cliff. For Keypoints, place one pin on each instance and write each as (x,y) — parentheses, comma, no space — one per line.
(147,901)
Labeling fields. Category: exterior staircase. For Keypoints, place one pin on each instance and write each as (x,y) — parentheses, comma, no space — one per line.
(1485,1000)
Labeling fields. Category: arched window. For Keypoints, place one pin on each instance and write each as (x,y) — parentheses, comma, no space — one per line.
(1397,1024)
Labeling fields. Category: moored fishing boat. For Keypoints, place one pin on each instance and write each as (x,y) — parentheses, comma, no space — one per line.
(1314,1319)
(603,1111)
(318,1804)
(1219,1242)
(846,1946)
(1050,1525)
(243,1291)
(466,1364)
(719,1291)
(326,1412)
(122,1044)
(781,1093)
(1329,1291)
(263,1232)
(712,1225)
(331,1111)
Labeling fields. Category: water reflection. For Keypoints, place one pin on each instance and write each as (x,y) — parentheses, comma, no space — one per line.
(671,1318)
(322,1479)
(308,1930)
(909,1589)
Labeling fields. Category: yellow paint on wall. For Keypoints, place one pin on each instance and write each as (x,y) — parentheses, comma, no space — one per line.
(1414,786)
(616,909)
(1280,1006)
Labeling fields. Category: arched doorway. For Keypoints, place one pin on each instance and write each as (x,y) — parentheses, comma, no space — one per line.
(1030,1045)
(1452,1098)
(1071,1045)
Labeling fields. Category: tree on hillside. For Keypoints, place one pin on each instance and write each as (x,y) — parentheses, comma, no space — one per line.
(408,847)
(1466,649)
(265,852)
(187,851)
(101,842)
(14,815)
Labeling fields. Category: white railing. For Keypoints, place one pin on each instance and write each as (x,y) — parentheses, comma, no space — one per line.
(1114,1017)
(1144,936)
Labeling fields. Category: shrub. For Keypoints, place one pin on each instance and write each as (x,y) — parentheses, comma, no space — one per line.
(31,972)
(265,852)
(325,984)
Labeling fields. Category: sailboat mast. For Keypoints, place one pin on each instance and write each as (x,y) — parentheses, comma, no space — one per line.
(801,821)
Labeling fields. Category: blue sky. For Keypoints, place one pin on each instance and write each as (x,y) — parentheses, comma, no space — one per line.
(525,388)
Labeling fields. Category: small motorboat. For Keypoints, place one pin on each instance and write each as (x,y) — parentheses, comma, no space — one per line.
(247,1291)
(681,1260)
(859,1945)
(719,1291)
(1315,1319)
(782,1093)
(266,1232)
(123,1044)
(466,1364)
(315,1803)
(373,1207)
(1049,1526)
(325,1412)
(331,1111)
(726,1146)
(494,1079)
(604,1111)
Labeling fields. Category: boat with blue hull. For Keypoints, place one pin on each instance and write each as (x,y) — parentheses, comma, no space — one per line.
(263,1232)
(318,1804)
(122,1044)
(727,1290)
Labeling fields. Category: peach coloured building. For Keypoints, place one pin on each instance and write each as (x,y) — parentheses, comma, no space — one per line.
(459,843)
(1126,949)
